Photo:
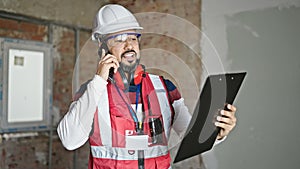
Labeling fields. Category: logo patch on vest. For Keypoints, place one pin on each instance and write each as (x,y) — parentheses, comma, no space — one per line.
(131,152)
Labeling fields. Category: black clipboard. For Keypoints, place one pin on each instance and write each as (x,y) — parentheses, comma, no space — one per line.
(218,90)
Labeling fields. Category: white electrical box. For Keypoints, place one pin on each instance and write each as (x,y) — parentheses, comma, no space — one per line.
(25,85)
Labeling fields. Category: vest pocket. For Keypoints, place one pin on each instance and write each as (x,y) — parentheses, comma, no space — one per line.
(119,127)
(156,131)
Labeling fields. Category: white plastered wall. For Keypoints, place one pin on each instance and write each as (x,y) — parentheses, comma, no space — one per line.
(266,134)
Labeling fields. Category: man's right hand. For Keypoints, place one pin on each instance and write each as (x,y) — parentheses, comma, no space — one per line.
(107,61)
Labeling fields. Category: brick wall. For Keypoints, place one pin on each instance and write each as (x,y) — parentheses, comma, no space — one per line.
(32,152)
(64,44)
(23,30)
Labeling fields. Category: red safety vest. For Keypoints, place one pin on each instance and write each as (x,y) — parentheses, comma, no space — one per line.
(111,126)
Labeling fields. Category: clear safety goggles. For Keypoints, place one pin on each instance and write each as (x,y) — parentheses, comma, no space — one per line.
(119,39)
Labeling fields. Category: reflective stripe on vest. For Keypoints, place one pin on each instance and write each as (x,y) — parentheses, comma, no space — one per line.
(163,102)
(117,153)
(104,115)
(104,120)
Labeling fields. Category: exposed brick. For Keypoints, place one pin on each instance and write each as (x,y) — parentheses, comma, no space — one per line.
(63,73)
(38,37)
(9,24)
(28,27)
(23,30)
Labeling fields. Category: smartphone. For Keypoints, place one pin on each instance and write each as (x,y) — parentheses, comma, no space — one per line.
(105,47)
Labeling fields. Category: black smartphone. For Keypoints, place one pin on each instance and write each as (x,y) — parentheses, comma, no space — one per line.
(105,47)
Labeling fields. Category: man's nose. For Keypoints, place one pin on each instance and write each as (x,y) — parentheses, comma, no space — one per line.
(128,45)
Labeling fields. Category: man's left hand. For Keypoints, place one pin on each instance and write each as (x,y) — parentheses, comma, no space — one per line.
(226,121)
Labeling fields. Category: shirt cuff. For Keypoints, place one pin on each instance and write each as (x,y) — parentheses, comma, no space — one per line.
(220,141)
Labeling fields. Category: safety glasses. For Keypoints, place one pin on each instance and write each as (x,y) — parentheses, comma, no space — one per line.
(119,39)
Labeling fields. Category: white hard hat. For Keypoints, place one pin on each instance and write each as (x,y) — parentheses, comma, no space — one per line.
(113,18)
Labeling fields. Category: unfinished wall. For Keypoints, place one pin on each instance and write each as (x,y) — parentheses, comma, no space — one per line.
(63,11)
(262,38)
(17,151)
(66,15)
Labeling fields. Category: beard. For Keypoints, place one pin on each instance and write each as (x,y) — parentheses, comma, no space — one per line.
(129,68)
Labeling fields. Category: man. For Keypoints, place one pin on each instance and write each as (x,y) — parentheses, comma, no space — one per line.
(124,112)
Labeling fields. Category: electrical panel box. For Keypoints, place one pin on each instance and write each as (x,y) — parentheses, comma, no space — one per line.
(25,85)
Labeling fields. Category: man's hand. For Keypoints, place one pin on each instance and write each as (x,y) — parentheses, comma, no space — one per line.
(107,61)
(226,121)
